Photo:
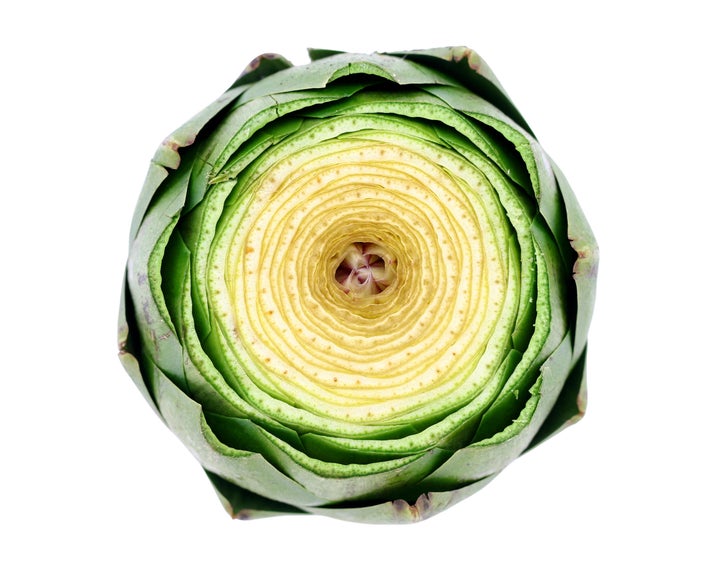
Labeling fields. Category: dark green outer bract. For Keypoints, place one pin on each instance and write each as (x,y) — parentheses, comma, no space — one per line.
(259,468)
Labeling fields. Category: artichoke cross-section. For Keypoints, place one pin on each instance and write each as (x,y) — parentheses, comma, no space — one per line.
(358,287)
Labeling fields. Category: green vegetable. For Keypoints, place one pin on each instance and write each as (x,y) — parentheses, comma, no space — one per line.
(358,287)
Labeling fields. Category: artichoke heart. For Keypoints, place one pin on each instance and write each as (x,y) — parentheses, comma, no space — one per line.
(358,287)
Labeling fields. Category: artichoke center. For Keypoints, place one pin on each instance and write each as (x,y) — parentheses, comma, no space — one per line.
(365,269)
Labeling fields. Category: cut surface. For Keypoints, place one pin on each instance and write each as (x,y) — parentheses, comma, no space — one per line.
(358,287)
(362,275)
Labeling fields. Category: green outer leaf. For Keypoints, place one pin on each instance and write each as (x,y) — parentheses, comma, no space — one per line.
(246,469)
(260,68)
(585,268)
(168,154)
(490,456)
(245,505)
(471,70)
(570,406)
(127,330)
(400,511)
(157,333)
(319,74)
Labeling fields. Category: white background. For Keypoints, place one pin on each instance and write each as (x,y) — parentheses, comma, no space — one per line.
(621,94)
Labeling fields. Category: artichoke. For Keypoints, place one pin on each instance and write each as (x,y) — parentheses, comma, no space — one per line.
(358,287)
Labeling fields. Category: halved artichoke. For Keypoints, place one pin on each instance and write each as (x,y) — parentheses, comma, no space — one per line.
(358,287)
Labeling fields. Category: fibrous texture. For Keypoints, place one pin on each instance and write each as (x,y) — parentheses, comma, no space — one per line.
(358,287)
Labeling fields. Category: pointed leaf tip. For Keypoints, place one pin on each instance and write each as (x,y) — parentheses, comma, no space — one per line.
(261,67)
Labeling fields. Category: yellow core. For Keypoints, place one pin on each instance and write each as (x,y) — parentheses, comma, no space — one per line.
(365,280)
